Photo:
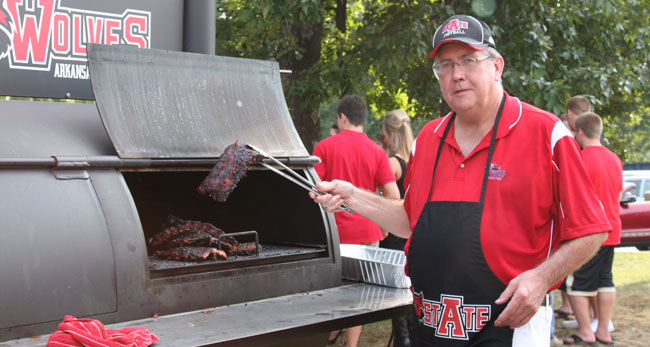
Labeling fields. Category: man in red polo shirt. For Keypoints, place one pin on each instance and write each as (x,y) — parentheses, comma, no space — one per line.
(594,279)
(498,202)
(351,156)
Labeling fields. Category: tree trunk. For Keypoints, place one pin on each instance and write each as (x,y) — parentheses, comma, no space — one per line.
(307,122)
(341,15)
(305,112)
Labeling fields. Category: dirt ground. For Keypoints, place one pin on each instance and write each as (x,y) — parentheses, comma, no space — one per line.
(631,314)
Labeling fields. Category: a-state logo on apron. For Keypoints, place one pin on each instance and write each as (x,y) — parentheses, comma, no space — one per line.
(33,33)
(450,316)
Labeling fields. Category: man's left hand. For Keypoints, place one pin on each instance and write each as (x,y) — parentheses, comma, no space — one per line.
(526,293)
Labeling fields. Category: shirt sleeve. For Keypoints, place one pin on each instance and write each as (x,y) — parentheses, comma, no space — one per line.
(320,168)
(581,212)
(384,172)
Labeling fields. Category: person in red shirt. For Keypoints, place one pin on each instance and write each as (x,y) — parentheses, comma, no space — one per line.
(350,155)
(498,205)
(594,278)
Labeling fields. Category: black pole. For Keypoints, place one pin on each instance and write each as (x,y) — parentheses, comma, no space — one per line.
(199,26)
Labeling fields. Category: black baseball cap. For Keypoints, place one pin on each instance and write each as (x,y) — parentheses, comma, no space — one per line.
(464,29)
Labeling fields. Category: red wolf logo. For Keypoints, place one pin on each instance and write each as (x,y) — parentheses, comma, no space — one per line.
(6,29)
(418,300)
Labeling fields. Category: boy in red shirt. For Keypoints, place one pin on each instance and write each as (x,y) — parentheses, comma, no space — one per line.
(595,278)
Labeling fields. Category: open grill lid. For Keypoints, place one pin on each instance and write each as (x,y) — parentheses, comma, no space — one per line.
(166,104)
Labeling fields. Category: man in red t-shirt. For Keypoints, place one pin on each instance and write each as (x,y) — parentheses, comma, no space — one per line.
(351,156)
(594,278)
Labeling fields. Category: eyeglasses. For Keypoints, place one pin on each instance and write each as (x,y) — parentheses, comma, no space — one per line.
(465,64)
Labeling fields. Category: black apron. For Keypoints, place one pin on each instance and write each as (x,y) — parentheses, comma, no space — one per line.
(453,287)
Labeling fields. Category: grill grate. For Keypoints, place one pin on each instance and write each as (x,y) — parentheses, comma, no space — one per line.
(270,254)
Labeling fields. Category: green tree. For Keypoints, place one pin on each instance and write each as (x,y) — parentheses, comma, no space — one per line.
(293,32)
(553,49)
(594,48)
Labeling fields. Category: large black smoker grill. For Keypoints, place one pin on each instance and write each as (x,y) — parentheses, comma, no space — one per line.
(83,190)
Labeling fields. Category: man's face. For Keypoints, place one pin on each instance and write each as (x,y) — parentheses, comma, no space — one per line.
(469,89)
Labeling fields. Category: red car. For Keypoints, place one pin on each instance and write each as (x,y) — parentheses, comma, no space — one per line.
(635,217)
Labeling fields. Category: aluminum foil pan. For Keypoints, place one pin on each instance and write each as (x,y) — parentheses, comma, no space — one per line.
(374,265)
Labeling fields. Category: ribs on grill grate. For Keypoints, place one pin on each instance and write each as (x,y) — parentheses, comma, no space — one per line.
(175,230)
(228,171)
(245,248)
(181,235)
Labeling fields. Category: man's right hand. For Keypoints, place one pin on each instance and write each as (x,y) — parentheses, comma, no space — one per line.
(389,214)
(337,193)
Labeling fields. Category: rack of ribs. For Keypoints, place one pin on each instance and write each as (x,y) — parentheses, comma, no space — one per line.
(179,238)
(176,229)
(228,171)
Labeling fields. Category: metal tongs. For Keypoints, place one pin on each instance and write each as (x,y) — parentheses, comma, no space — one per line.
(297,178)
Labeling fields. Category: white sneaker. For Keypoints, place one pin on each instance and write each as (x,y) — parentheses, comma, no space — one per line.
(573,324)
(570,324)
(594,325)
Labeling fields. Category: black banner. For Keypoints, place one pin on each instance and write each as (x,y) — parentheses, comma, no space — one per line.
(43,42)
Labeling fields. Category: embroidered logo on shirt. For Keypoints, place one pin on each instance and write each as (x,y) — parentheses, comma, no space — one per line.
(450,317)
(496,173)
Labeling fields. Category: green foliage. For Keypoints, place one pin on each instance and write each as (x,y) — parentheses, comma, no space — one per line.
(553,49)
(575,47)
(597,49)
(628,136)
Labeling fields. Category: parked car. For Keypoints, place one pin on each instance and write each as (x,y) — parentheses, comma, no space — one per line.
(641,179)
(635,218)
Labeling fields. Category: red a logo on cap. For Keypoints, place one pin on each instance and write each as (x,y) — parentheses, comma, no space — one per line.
(455,24)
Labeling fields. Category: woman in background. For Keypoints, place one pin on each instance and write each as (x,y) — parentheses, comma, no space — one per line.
(398,138)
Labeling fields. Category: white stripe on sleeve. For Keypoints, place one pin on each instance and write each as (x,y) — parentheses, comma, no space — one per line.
(559,131)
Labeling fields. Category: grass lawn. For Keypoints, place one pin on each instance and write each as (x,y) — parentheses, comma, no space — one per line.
(631,314)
